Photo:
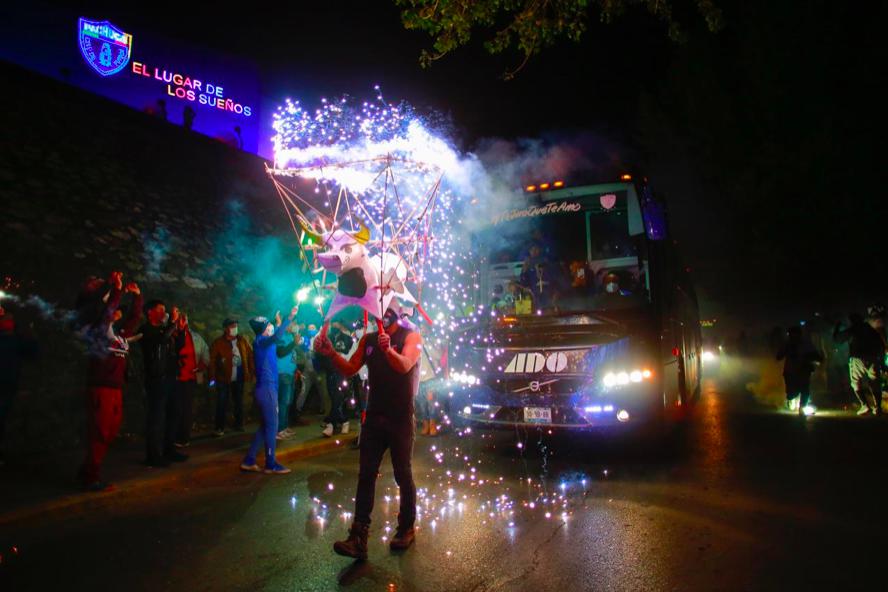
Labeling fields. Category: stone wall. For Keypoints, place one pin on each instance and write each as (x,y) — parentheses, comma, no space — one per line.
(87,186)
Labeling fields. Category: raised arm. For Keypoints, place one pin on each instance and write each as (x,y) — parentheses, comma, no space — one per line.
(111,306)
(283,351)
(280,326)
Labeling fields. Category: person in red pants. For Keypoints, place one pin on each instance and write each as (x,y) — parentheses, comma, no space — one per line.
(108,351)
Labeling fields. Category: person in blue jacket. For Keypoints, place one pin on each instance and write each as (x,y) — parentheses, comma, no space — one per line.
(268,337)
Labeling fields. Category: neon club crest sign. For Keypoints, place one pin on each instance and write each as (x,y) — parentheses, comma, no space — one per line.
(105,48)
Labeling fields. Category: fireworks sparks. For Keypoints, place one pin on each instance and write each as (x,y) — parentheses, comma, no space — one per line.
(378,163)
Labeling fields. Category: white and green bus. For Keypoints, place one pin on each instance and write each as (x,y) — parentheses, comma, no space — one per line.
(589,318)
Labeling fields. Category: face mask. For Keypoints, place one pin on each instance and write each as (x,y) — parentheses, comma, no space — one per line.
(389,318)
(612,288)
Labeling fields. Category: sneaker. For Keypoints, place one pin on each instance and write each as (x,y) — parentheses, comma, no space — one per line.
(864,410)
(98,487)
(281,436)
(253,468)
(181,444)
(218,433)
(276,469)
(290,432)
(176,457)
(328,430)
(402,539)
(344,428)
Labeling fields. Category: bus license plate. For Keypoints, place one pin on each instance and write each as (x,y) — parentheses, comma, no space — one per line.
(537,415)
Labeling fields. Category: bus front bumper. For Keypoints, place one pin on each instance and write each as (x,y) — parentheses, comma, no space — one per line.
(569,413)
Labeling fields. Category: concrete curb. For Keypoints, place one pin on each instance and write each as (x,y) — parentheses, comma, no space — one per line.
(215,463)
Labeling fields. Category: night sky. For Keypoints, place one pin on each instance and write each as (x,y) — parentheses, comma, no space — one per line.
(762,136)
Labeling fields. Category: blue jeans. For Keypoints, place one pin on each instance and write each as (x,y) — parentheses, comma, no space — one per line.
(266,400)
(426,398)
(285,397)
(337,393)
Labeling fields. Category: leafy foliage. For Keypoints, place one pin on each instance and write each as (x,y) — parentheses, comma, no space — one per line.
(529,26)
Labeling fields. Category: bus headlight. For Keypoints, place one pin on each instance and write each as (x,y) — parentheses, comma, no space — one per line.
(623,378)
(464,378)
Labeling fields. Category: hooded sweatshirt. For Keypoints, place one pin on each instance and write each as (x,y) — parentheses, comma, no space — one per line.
(265,356)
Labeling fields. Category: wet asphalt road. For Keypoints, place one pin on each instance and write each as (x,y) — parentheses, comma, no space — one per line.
(739,500)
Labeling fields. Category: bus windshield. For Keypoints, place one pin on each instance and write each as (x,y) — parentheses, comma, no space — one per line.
(570,255)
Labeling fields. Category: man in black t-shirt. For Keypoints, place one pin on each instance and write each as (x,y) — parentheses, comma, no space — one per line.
(392,358)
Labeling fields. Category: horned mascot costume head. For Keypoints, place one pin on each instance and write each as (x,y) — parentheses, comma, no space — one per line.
(365,280)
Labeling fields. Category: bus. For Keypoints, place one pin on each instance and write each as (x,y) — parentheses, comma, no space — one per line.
(585,316)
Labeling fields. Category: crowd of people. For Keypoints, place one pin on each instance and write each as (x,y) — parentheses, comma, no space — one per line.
(278,360)
(379,372)
(805,349)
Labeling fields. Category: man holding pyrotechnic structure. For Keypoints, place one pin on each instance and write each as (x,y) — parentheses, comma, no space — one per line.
(389,168)
(392,358)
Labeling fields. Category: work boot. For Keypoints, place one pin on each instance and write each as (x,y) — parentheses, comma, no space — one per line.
(356,544)
(403,538)
(425,427)
(433,429)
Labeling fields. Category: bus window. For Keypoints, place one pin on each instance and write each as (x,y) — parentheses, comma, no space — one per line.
(565,256)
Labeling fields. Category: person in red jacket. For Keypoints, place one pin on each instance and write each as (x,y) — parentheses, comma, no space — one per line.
(108,351)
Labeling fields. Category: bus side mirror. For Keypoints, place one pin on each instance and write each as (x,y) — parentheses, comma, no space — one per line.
(653,213)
